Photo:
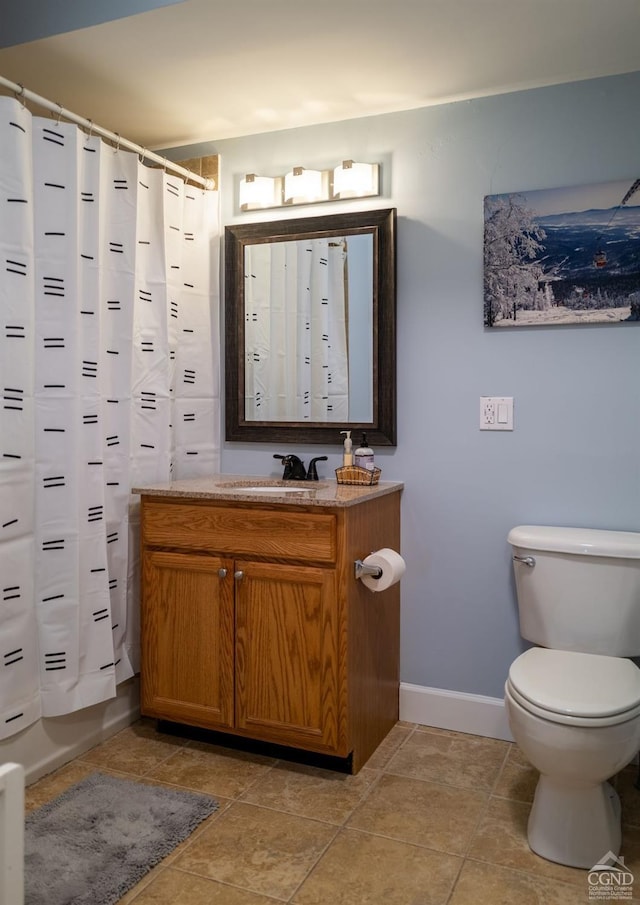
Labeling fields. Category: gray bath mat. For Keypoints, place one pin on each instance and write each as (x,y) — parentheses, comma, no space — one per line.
(100,837)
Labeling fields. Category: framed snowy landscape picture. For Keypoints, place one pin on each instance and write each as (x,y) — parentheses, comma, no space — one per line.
(563,256)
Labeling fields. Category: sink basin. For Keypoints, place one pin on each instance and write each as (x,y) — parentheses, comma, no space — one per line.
(271,488)
(275,486)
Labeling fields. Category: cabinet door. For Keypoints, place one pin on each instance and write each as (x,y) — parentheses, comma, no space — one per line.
(287,670)
(187,638)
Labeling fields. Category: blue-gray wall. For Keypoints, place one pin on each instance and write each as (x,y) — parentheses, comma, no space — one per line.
(574,456)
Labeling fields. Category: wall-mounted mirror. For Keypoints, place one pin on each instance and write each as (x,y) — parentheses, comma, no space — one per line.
(310,328)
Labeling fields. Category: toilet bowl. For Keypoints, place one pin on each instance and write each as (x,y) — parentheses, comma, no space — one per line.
(576,717)
(573,702)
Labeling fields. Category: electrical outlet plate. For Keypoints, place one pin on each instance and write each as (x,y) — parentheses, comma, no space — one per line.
(496,413)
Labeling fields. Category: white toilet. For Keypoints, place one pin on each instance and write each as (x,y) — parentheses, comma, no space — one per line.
(574,702)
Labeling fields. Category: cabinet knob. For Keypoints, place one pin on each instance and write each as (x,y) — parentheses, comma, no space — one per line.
(238,575)
(222,573)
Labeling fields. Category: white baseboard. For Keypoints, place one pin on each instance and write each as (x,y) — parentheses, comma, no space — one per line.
(472,713)
(51,743)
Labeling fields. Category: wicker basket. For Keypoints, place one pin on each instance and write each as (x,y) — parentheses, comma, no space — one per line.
(354,474)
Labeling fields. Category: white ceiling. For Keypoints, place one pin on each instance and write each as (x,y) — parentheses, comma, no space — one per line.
(203,70)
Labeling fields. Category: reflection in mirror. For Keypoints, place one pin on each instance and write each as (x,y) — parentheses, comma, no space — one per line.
(310,328)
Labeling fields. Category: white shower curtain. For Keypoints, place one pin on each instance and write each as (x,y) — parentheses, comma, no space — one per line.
(297,364)
(108,380)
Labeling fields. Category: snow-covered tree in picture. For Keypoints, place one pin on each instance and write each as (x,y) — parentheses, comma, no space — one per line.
(512,246)
(563,256)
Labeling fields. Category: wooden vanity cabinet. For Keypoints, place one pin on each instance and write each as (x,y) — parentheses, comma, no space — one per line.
(252,621)
(188,655)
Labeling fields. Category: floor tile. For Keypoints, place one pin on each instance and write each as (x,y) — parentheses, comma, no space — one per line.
(501,839)
(630,851)
(518,779)
(174,887)
(261,850)
(130,897)
(136,750)
(389,745)
(488,884)
(467,761)
(55,784)
(436,817)
(223,805)
(629,796)
(424,813)
(434,730)
(361,868)
(310,792)
(212,769)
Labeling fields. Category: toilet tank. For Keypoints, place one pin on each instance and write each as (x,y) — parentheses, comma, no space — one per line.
(578,588)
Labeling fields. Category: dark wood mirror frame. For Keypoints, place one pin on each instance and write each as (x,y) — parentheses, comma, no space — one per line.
(381,224)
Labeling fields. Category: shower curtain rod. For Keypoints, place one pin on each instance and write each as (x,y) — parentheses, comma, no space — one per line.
(23,93)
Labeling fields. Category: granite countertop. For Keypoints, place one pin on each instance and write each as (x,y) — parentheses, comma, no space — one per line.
(251,488)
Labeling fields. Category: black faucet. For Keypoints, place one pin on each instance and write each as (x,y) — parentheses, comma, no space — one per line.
(312,474)
(294,469)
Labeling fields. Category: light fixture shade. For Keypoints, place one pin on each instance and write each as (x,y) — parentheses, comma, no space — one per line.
(256,192)
(355,180)
(302,186)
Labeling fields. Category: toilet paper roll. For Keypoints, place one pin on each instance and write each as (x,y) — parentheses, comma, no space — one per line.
(392,565)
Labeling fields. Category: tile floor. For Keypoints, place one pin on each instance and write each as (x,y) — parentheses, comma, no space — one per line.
(434,818)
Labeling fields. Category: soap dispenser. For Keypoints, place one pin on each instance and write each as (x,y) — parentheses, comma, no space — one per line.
(364,455)
(347,457)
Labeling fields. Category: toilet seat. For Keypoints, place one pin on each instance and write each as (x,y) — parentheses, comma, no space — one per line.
(574,688)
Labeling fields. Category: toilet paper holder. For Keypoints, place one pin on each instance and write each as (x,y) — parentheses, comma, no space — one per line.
(361,568)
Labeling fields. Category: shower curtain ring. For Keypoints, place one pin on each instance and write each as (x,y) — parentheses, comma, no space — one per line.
(20,95)
(142,155)
(90,132)
(117,147)
(60,109)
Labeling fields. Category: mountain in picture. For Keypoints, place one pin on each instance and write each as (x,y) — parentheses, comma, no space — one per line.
(552,258)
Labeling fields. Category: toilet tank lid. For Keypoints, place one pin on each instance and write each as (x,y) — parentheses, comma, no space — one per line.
(589,541)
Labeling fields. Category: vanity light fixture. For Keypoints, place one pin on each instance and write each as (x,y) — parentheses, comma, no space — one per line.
(355,180)
(300,185)
(259,191)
